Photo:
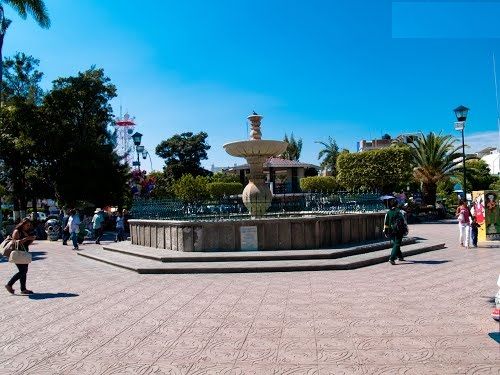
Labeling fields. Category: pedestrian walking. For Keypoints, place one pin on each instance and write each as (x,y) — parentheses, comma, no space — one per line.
(120,228)
(65,231)
(463,216)
(22,234)
(395,228)
(97,225)
(74,227)
(474,229)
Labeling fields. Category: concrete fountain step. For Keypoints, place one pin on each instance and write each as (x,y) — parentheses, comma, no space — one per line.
(221,256)
(149,266)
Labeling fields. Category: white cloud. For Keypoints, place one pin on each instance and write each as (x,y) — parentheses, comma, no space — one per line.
(481,140)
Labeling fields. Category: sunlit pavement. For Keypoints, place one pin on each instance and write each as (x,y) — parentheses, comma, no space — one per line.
(429,315)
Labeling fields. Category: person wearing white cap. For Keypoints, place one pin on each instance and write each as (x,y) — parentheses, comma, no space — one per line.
(97,225)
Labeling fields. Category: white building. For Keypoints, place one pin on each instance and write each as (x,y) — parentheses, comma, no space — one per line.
(492,158)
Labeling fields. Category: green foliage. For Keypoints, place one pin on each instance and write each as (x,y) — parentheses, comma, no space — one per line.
(78,112)
(384,170)
(434,157)
(330,153)
(319,183)
(219,190)
(223,177)
(191,189)
(22,79)
(478,175)
(162,189)
(495,185)
(183,154)
(35,8)
(293,149)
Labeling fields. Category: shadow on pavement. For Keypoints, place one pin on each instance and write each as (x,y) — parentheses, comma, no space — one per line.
(51,295)
(490,300)
(495,336)
(427,261)
(37,255)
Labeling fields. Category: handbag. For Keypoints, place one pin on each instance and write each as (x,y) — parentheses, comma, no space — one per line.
(19,256)
(6,246)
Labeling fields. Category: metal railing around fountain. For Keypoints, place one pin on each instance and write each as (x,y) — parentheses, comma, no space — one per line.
(232,208)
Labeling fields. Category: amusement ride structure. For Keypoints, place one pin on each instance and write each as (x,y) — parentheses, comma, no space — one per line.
(124,128)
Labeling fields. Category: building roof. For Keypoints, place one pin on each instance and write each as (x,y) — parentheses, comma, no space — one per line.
(277,163)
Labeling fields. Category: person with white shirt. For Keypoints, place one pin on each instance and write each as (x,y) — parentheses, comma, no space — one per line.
(74,227)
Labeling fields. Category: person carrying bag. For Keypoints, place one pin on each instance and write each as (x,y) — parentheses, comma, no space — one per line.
(20,255)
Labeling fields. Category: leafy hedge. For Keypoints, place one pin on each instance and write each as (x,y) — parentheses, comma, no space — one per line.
(319,183)
(386,170)
(191,189)
(219,189)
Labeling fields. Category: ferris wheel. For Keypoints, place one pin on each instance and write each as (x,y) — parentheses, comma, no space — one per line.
(124,128)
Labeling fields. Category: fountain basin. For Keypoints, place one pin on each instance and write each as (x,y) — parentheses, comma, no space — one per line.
(261,147)
(285,233)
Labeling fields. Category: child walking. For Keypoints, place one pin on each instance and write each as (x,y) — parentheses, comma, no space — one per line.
(474,228)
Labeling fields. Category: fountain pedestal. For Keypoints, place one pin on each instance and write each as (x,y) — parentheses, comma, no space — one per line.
(257,196)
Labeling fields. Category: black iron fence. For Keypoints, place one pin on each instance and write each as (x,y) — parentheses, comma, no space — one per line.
(281,205)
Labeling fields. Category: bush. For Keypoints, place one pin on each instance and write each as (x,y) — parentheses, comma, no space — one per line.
(388,169)
(319,183)
(191,189)
(218,190)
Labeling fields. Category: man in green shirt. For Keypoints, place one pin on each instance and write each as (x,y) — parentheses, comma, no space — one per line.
(394,231)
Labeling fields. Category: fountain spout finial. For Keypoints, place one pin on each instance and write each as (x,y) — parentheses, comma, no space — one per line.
(255,119)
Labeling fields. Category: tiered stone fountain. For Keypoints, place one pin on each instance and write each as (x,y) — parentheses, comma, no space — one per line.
(257,196)
(257,231)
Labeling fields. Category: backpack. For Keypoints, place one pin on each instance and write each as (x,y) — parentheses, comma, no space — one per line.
(398,225)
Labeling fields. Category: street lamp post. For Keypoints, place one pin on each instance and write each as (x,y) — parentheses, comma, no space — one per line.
(461,114)
(137,138)
(140,150)
(145,154)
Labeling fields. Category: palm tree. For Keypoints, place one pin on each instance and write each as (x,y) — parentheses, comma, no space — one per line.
(434,157)
(36,8)
(293,149)
(330,152)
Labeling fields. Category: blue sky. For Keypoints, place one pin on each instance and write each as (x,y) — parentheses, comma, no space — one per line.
(348,69)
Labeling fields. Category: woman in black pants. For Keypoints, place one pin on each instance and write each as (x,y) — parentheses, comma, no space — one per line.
(22,234)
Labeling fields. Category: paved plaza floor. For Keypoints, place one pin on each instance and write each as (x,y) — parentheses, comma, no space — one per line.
(429,315)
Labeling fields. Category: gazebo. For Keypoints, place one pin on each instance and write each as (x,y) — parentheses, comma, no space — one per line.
(282,175)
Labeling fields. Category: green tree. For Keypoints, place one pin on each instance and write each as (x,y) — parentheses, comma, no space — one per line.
(162,187)
(190,189)
(22,79)
(385,170)
(319,183)
(329,153)
(218,190)
(23,160)
(183,154)
(78,113)
(478,175)
(293,149)
(434,157)
(224,177)
(36,8)
(18,149)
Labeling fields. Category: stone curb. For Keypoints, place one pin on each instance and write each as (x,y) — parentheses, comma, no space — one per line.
(260,255)
(252,267)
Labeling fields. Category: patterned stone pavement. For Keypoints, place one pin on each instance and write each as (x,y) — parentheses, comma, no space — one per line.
(429,315)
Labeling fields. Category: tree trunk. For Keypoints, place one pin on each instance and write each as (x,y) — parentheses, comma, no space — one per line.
(2,35)
(429,192)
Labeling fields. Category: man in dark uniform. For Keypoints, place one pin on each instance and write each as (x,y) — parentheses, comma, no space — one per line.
(390,232)
(65,231)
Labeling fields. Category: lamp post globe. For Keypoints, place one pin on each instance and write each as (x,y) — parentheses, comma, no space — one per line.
(137,138)
(461,113)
